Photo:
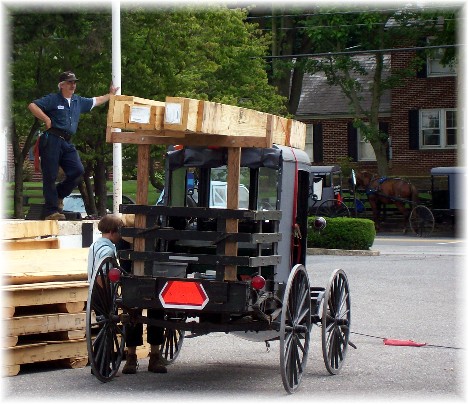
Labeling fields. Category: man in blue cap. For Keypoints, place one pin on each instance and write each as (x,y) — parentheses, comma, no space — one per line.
(61,113)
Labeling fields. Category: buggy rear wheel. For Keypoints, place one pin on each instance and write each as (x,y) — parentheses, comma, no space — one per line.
(295,328)
(336,321)
(421,221)
(332,208)
(173,340)
(104,330)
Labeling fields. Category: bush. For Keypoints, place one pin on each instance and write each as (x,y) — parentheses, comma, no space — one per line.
(342,233)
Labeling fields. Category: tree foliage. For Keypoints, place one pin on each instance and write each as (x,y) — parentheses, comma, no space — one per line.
(210,54)
(340,32)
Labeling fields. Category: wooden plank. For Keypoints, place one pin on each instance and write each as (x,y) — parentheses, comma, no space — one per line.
(41,352)
(44,293)
(31,244)
(40,324)
(14,229)
(141,199)
(8,341)
(29,266)
(233,180)
(187,139)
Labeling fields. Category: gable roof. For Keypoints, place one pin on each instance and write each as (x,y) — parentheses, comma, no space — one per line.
(319,99)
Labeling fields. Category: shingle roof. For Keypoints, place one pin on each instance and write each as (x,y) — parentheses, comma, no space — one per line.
(318,98)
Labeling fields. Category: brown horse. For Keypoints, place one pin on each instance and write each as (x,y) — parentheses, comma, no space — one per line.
(382,190)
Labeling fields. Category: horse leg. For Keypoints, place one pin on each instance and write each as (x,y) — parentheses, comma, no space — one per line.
(405,212)
(375,213)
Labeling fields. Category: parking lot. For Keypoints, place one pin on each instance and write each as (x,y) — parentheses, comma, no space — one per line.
(413,290)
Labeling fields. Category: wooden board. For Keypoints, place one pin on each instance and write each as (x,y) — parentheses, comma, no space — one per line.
(45,265)
(16,229)
(44,293)
(43,351)
(40,324)
(31,244)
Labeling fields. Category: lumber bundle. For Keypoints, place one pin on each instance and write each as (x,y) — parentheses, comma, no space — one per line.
(198,123)
(29,235)
(44,294)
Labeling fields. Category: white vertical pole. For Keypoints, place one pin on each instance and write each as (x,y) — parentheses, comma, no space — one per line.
(116,79)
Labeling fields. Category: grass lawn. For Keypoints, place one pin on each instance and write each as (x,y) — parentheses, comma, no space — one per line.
(33,190)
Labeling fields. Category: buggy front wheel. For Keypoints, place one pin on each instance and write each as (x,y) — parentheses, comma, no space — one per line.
(295,328)
(104,330)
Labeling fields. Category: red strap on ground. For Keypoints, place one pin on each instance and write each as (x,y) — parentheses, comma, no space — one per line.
(36,156)
(400,342)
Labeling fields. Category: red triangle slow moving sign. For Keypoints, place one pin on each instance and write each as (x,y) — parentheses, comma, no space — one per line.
(183,295)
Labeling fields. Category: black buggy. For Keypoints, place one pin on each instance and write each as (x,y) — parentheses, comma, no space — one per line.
(210,264)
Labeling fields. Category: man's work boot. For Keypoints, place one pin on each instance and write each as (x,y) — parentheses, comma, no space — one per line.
(55,216)
(131,365)
(156,364)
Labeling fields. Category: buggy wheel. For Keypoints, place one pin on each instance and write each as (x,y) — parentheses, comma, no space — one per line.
(421,221)
(295,328)
(336,321)
(173,340)
(332,208)
(104,331)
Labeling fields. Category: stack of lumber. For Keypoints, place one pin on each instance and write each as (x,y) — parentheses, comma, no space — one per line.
(44,291)
(198,123)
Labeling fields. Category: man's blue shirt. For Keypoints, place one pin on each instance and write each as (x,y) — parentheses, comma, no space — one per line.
(63,116)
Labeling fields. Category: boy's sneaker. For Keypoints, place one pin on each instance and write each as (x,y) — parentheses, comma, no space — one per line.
(156,364)
(131,365)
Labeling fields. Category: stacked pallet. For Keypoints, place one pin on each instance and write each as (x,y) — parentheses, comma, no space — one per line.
(44,293)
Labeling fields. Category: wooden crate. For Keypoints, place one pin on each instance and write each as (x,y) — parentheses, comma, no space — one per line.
(129,112)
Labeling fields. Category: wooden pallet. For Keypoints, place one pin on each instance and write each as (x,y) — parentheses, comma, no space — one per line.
(73,351)
(25,266)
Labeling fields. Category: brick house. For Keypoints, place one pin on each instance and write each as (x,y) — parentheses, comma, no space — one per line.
(419,116)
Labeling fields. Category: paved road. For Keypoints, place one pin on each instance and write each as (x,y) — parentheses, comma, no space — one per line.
(412,290)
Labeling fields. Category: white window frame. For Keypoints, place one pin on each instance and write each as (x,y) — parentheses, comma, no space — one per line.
(363,147)
(442,128)
(309,141)
(434,68)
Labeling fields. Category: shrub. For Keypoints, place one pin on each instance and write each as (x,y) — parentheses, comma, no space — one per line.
(342,233)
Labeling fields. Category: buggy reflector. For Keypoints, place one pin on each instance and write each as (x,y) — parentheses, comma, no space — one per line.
(183,295)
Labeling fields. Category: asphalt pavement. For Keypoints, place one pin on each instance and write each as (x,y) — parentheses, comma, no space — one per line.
(412,289)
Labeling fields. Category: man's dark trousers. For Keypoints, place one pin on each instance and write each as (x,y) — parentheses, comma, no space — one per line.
(56,152)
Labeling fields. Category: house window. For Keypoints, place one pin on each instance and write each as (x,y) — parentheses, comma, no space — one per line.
(438,128)
(365,149)
(434,66)
(309,141)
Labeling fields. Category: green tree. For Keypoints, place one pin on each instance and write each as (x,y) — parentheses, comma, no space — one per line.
(208,54)
(337,31)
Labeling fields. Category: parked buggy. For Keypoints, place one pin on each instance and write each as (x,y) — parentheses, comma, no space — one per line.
(325,192)
(222,269)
